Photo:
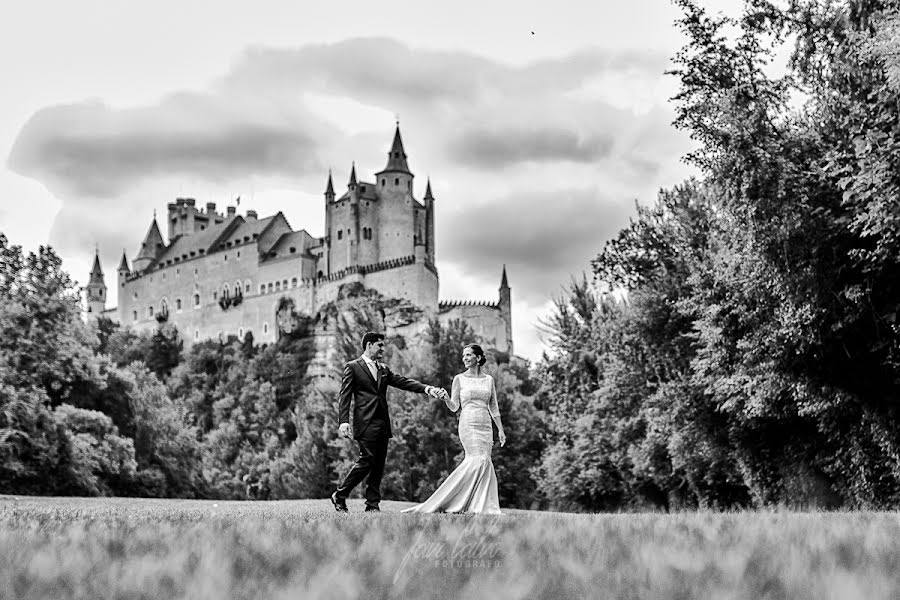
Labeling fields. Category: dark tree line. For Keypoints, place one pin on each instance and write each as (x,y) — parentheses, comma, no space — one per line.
(751,357)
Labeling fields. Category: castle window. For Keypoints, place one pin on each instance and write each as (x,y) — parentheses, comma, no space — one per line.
(184,257)
(178,304)
(270,287)
(262,288)
(149,311)
(294,282)
(202,227)
(89,309)
(277,286)
(193,254)
(382,182)
(246,238)
(215,295)
(196,334)
(362,188)
(284,284)
(293,250)
(225,257)
(135,295)
(241,333)
(196,300)
(237,289)
(101,293)
(247,287)
(134,315)
(201,251)
(265,328)
(196,271)
(321,274)
(341,234)
(255,235)
(228,245)
(239,254)
(178,271)
(396,181)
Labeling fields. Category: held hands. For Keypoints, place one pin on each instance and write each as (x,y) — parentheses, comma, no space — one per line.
(344,430)
(436,392)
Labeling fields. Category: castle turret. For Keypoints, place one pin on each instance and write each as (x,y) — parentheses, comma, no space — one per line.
(151,247)
(329,207)
(506,310)
(429,223)
(396,173)
(123,269)
(95,292)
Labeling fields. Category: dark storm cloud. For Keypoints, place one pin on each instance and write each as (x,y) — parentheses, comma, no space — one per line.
(487,148)
(543,237)
(90,149)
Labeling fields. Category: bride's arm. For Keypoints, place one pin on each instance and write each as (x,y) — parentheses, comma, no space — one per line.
(453,401)
(494,409)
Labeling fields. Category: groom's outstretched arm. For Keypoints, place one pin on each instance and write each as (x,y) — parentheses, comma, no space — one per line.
(346,394)
(404,383)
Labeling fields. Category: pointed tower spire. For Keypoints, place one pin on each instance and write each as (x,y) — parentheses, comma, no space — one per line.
(150,247)
(428,195)
(329,189)
(352,183)
(503,282)
(96,271)
(123,264)
(396,157)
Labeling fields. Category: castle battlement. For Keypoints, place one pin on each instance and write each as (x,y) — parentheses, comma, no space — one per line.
(451,304)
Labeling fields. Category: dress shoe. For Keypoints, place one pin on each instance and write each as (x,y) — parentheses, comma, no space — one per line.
(340,504)
(373,509)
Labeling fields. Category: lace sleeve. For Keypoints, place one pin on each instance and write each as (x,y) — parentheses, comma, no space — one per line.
(453,401)
(493,407)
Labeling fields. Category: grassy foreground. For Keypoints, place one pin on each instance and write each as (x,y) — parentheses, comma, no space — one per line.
(128,548)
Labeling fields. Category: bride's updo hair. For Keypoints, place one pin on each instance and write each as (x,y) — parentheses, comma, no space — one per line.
(478,352)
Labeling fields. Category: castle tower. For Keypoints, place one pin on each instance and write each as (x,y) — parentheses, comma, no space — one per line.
(151,247)
(329,207)
(506,310)
(429,223)
(353,235)
(95,292)
(123,270)
(398,210)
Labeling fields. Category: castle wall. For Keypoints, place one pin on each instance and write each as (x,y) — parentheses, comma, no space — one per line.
(486,321)
(397,220)
(369,251)
(342,228)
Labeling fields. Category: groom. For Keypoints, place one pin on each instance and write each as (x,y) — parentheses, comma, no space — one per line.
(366,381)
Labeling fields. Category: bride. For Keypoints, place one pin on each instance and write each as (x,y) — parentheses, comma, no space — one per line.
(472,486)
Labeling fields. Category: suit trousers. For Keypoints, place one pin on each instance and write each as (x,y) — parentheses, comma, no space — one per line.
(373,445)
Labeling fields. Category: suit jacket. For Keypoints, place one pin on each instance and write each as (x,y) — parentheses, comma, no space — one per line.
(368,393)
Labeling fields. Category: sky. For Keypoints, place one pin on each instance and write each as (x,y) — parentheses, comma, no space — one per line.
(540,124)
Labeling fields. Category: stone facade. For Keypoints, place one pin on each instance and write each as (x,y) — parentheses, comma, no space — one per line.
(225,274)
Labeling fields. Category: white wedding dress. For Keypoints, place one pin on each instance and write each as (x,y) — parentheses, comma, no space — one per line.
(472,486)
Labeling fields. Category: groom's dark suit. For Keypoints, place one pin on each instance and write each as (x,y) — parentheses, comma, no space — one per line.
(371,422)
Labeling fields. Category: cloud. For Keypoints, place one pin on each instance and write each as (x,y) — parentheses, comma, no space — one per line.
(543,237)
(91,149)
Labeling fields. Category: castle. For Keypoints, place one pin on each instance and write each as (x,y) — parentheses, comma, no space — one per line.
(226,274)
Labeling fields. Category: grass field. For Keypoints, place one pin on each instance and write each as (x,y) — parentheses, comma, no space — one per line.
(127,548)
